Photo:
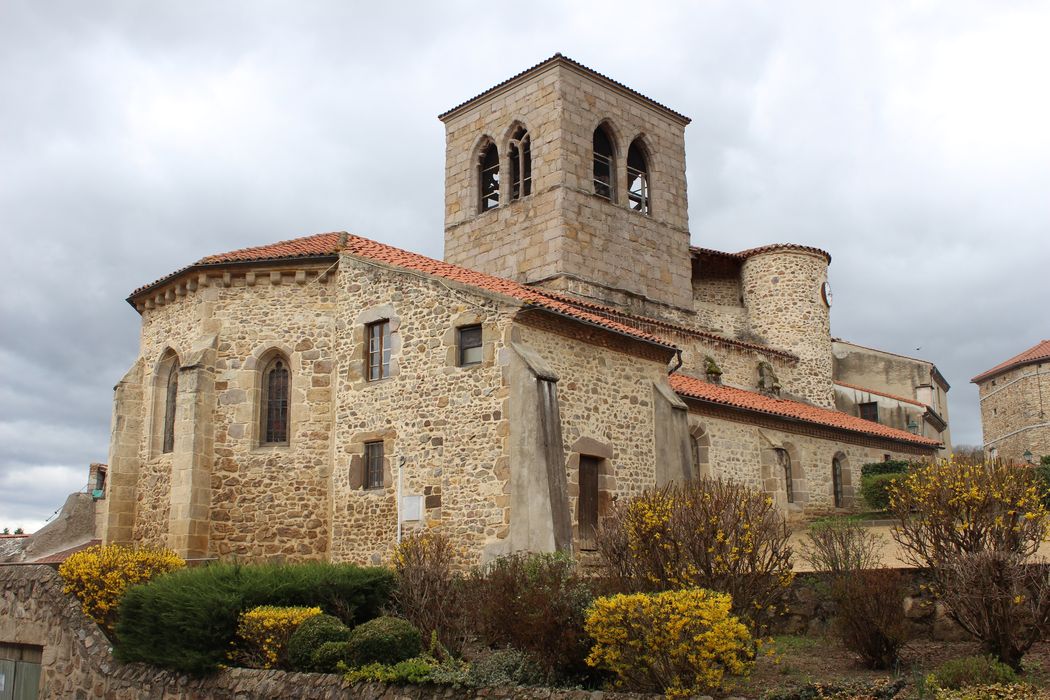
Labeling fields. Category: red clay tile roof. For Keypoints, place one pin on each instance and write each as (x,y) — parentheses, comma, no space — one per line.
(1040,352)
(328,244)
(882,393)
(59,557)
(700,390)
(750,252)
(565,59)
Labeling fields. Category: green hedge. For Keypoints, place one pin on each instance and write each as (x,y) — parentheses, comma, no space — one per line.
(384,640)
(186,620)
(893,466)
(874,489)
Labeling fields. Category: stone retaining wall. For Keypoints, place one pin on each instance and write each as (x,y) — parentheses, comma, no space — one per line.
(77,660)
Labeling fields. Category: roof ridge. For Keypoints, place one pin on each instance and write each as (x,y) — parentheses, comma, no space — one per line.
(881,393)
(1038,352)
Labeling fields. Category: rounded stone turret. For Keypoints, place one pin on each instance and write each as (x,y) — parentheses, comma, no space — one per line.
(783,292)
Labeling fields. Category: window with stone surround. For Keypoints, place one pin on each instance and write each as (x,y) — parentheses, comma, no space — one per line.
(469,345)
(604,164)
(374,465)
(869,411)
(784,460)
(378,350)
(520,149)
(488,178)
(836,482)
(170,397)
(638,198)
(276,384)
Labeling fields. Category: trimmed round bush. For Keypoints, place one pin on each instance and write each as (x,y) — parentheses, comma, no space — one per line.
(327,656)
(310,636)
(874,488)
(384,640)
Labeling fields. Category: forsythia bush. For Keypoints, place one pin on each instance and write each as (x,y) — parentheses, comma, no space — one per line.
(681,643)
(99,575)
(263,634)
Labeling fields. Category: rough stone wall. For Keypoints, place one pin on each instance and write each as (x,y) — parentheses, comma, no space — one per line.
(722,291)
(892,412)
(442,424)
(606,403)
(782,296)
(744,452)
(77,662)
(1015,412)
(888,372)
(563,232)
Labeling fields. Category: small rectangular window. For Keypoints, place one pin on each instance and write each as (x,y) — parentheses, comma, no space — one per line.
(869,411)
(469,341)
(374,465)
(588,503)
(378,350)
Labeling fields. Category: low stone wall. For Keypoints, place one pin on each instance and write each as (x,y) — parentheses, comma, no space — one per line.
(811,610)
(77,660)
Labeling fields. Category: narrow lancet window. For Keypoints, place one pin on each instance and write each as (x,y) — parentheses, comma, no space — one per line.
(488,177)
(637,179)
(275,402)
(169,408)
(604,165)
(836,481)
(520,164)
(785,464)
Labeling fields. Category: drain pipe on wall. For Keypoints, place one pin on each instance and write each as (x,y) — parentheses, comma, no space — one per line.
(678,362)
(400,485)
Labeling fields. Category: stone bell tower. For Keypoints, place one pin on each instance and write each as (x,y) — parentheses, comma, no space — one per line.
(563,178)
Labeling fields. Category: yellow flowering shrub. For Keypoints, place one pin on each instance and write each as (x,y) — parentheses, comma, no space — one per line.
(263,634)
(711,534)
(99,575)
(680,643)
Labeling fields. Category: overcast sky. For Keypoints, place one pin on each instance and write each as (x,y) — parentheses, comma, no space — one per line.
(910,140)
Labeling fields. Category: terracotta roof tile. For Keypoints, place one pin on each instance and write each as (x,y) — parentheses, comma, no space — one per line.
(750,252)
(327,244)
(691,387)
(1040,352)
(565,59)
(882,393)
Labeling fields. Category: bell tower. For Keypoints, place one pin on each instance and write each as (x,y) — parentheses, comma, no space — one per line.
(563,178)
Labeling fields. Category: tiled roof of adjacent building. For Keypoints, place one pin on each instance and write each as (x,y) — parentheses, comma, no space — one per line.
(558,58)
(751,252)
(698,389)
(329,244)
(59,557)
(1040,352)
(881,393)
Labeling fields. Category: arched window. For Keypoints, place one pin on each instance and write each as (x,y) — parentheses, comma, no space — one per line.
(275,384)
(836,481)
(604,165)
(784,460)
(488,177)
(637,178)
(170,395)
(520,164)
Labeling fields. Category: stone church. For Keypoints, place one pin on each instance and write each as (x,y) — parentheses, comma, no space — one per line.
(322,396)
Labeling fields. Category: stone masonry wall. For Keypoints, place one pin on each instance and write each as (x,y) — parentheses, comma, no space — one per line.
(563,230)
(1015,412)
(77,662)
(782,296)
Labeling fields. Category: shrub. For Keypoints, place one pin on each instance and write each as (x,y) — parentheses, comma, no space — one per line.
(263,635)
(680,643)
(708,533)
(504,667)
(384,640)
(99,575)
(418,670)
(999,691)
(891,466)
(870,619)
(977,526)
(536,603)
(426,591)
(973,670)
(327,657)
(840,547)
(186,620)
(840,690)
(875,490)
(308,638)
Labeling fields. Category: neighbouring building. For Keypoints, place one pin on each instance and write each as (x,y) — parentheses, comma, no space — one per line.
(895,390)
(1015,405)
(318,397)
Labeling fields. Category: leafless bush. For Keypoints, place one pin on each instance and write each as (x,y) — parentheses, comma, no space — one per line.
(840,548)
(427,591)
